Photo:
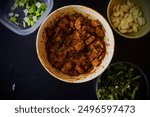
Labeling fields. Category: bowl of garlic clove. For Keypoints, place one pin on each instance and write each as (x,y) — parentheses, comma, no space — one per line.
(129,18)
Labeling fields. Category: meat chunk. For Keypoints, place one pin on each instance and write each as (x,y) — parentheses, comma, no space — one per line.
(79,69)
(49,31)
(79,46)
(67,40)
(66,67)
(71,24)
(57,30)
(63,23)
(99,32)
(75,44)
(99,43)
(102,55)
(87,66)
(95,23)
(77,35)
(78,23)
(54,48)
(90,40)
(95,62)
(93,55)
(88,29)
(81,60)
(59,37)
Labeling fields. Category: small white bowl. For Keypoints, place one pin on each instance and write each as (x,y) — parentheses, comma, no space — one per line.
(50,21)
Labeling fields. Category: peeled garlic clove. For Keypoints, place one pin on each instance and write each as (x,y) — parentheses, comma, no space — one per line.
(126,15)
(129,19)
(141,21)
(126,7)
(140,14)
(123,8)
(119,28)
(116,14)
(114,8)
(132,10)
(123,30)
(118,21)
(115,25)
(124,24)
(118,7)
(136,12)
(121,13)
(113,19)
(130,4)
(135,20)
(130,30)
(131,25)
(135,28)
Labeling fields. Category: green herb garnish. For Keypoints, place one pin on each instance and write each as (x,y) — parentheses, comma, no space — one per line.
(119,81)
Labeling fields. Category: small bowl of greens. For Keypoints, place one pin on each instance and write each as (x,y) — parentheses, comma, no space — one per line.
(122,81)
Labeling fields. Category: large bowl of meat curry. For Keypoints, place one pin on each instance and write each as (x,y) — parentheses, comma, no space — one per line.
(75,44)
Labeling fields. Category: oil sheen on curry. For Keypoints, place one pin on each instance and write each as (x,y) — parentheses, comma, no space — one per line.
(75,44)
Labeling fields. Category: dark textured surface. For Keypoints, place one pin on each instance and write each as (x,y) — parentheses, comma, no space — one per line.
(19,63)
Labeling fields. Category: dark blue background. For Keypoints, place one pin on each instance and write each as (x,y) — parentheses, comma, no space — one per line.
(19,63)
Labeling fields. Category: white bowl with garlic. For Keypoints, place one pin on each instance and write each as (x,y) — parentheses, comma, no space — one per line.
(129,18)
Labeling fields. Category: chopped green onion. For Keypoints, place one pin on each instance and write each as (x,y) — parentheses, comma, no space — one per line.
(43,6)
(34,18)
(27,20)
(16,15)
(42,12)
(13,19)
(11,14)
(21,4)
(25,11)
(33,10)
(24,24)
(37,13)
(32,23)
(38,4)
(14,7)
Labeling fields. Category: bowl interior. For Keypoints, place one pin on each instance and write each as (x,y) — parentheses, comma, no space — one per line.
(144,5)
(51,19)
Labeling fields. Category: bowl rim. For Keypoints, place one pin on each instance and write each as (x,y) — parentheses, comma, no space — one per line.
(86,79)
(135,66)
(124,35)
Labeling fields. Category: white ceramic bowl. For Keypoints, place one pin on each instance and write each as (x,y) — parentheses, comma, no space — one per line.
(51,19)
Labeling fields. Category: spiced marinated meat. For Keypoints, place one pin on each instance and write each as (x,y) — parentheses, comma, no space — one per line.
(75,44)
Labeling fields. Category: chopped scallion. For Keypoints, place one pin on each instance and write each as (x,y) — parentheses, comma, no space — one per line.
(13,19)
(24,24)
(16,15)
(34,18)
(38,4)
(33,10)
(11,14)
